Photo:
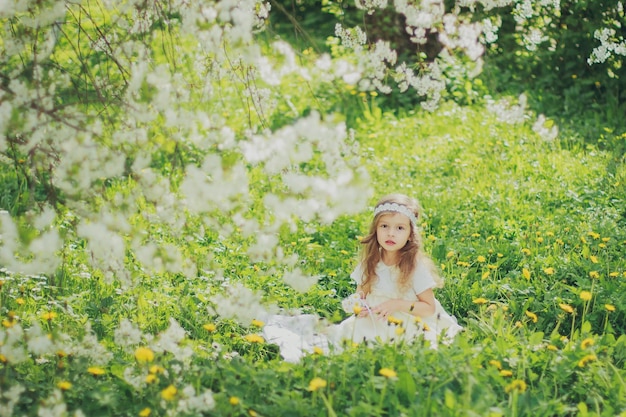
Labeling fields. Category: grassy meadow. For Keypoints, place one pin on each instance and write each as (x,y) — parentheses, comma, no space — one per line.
(527,228)
(528,233)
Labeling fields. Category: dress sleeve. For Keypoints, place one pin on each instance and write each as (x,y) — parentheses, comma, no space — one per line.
(423,278)
(357,274)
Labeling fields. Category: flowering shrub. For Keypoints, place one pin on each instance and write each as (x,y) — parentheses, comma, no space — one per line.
(169,184)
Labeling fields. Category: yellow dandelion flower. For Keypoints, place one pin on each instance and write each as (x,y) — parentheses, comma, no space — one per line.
(585,295)
(8,323)
(480,300)
(156,369)
(602,245)
(506,372)
(567,308)
(417,319)
(450,254)
(485,275)
(399,331)
(539,240)
(583,240)
(475,234)
(318,350)
(357,309)
(169,393)
(426,327)
(549,270)
(586,359)
(144,354)
(252,413)
(609,307)
(516,385)
(593,259)
(560,242)
(49,316)
(532,316)
(317,383)
(586,343)
(234,400)
(388,373)
(210,327)
(150,378)
(254,338)
(550,233)
(394,320)
(526,273)
(613,274)
(526,251)
(552,347)
(594,235)
(481,259)
(3,359)
(594,274)
(64,385)
(96,371)
(606,239)
(20,301)
(500,255)
(257,323)
(145,412)
(495,363)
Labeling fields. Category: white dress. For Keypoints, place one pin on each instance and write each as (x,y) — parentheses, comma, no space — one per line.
(299,335)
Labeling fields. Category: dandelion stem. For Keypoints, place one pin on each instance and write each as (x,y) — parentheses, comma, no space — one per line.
(329,406)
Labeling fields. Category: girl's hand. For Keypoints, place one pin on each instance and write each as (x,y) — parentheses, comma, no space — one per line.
(387,308)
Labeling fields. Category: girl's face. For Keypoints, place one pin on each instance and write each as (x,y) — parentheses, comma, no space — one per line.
(393,231)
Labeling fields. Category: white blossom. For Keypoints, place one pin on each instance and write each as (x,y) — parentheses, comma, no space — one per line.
(239,303)
(300,281)
(127,334)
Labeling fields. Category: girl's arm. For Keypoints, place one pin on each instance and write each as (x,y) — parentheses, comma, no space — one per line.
(424,306)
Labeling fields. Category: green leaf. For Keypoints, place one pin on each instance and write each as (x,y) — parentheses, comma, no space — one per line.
(406,385)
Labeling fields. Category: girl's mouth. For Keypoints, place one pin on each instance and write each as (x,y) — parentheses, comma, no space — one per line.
(390,242)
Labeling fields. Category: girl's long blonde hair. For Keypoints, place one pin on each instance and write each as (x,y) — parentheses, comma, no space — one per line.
(410,255)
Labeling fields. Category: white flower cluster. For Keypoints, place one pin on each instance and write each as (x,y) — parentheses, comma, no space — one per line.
(351,38)
(429,84)
(299,281)
(239,303)
(466,36)
(9,399)
(352,301)
(545,129)
(370,5)
(507,112)
(41,253)
(170,341)
(609,44)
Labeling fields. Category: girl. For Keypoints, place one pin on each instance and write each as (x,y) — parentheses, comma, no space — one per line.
(395,281)
(394,296)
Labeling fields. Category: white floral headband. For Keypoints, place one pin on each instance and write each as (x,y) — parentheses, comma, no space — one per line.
(398,208)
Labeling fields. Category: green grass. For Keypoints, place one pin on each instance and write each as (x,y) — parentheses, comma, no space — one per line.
(519,227)
(529,235)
